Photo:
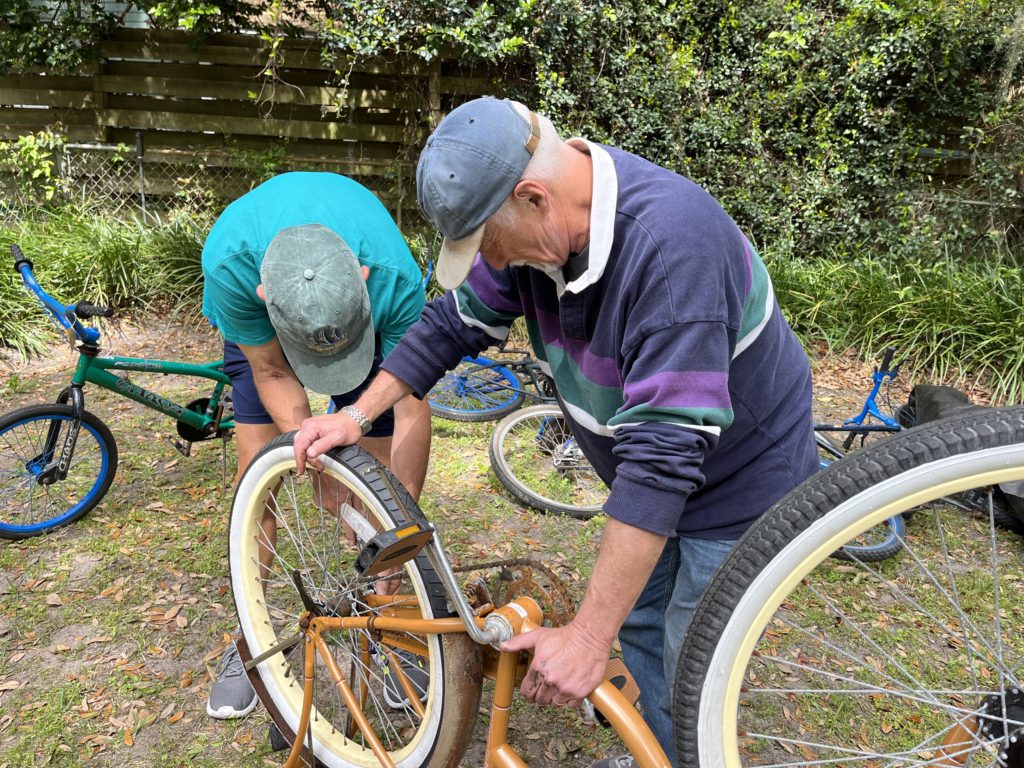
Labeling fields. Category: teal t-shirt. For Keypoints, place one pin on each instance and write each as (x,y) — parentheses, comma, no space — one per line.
(233,253)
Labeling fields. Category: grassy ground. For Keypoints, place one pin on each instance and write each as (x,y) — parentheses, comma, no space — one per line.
(110,629)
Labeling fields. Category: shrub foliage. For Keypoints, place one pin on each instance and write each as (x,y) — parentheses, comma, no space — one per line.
(823,126)
(868,147)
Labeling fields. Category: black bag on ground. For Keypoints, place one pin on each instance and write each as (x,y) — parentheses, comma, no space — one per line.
(933,402)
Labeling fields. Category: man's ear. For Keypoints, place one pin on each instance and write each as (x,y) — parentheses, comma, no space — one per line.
(366,273)
(531,191)
(259,292)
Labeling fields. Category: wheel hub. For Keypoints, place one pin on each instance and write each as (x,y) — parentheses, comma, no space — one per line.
(1002,720)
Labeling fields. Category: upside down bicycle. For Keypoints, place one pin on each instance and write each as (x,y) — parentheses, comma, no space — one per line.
(793,658)
(357,637)
(796,659)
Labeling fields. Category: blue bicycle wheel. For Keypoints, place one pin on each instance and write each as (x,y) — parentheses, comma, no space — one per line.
(875,544)
(29,440)
(477,390)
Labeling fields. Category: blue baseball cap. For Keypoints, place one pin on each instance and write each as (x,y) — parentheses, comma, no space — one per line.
(468,168)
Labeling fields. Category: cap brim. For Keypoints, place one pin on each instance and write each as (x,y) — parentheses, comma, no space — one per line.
(337,373)
(456,258)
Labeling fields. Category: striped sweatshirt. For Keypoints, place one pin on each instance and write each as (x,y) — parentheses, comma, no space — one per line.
(685,386)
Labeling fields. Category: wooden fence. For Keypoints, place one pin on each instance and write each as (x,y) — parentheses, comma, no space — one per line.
(209,103)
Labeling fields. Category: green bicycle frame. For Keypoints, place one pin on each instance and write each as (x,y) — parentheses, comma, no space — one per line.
(96,370)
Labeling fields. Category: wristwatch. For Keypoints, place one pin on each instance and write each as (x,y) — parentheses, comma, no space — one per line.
(358,417)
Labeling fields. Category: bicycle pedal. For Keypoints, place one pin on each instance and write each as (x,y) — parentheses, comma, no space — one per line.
(617,674)
(184,447)
(277,741)
(393,548)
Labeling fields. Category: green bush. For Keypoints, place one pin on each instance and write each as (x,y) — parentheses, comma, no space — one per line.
(839,126)
(82,254)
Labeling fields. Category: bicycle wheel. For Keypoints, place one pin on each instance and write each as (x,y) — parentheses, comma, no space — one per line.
(875,544)
(794,659)
(28,508)
(535,456)
(477,390)
(313,547)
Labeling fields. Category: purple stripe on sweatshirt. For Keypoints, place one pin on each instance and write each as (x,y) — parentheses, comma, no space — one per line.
(603,371)
(550,327)
(681,389)
(485,290)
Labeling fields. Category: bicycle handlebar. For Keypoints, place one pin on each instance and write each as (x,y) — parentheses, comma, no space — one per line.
(88,309)
(887,358)
(64,316)
(19,258)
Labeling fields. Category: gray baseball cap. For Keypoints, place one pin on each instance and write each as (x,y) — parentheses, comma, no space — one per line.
(317,301)
(470,165)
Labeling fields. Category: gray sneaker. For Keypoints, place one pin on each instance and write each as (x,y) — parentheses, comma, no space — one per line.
(412,667)
(231,695)
(626,761)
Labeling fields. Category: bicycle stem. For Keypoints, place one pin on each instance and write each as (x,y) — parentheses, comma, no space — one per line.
(496,629)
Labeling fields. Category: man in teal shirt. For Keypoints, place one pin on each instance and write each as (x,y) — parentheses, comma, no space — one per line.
(311,285)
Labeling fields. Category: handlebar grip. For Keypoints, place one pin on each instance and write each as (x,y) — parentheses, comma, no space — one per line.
(887,358)
(19,258)
(85,310)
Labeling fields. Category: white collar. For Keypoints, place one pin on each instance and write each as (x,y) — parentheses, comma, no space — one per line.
(603,202)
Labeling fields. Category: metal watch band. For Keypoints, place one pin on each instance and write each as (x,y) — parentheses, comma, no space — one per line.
(358,417)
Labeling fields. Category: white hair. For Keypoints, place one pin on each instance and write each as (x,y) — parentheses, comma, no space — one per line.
(544,166)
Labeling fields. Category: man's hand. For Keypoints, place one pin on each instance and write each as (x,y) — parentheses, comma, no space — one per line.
(567,664)
(319,434)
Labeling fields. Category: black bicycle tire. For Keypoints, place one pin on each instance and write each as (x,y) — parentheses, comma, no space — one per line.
(106,442)
(515,385)
(518,488)
(888,547)
(460,656)
(813,500)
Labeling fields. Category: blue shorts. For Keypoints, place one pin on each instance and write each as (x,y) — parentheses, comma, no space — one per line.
(249,408)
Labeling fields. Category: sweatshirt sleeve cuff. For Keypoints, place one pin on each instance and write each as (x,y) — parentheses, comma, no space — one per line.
(644,506)
(405,364)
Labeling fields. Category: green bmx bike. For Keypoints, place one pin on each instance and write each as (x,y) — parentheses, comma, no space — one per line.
(57,460)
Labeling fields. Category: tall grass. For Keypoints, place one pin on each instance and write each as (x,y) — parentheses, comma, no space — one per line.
(80,254)
(950,317)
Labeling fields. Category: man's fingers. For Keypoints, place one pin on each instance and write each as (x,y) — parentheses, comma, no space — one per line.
(319,446)
(309,443)
(523,642)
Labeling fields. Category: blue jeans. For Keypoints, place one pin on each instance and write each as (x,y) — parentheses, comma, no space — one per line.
(653,632)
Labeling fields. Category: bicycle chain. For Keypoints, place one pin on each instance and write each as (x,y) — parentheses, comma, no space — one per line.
(555,600)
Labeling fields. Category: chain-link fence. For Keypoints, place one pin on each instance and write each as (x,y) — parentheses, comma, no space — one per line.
(136,182)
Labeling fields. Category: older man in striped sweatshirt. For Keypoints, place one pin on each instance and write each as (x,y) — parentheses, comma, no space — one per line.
(653,313)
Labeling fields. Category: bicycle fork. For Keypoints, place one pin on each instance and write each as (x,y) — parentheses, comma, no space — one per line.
(50,470)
